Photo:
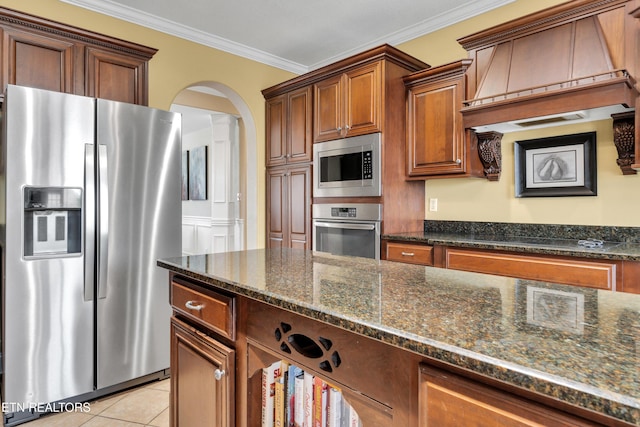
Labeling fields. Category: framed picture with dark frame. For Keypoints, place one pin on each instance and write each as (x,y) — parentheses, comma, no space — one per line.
(556,166)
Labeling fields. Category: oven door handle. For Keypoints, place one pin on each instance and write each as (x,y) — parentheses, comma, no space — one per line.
(345,225)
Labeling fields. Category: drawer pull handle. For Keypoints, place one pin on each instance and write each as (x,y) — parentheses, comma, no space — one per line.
(218,374)
(408,254)
(193,305)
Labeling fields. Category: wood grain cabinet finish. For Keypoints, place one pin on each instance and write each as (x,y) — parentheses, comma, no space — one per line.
(437,143)
(600,274)
(202,379)
(49,55)
(349,104)
(289,127)
(447,400)
(409,253)
(289,207)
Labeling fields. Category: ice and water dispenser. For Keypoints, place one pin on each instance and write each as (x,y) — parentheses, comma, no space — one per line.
(52,221)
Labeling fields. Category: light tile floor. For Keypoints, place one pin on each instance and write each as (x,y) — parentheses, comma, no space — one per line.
(147,405)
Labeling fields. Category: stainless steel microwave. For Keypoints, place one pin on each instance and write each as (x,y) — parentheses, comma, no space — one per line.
(348,167)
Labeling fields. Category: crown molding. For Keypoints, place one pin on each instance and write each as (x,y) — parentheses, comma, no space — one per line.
(125,13)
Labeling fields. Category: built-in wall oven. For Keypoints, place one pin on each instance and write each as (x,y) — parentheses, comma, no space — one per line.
(347,229)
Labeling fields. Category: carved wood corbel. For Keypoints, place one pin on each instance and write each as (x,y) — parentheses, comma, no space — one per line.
(624,140)
(490,152)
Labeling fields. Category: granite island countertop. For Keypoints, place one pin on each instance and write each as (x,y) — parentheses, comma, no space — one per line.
(579,345)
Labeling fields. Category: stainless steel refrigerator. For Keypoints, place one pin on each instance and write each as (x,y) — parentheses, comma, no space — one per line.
(90,198)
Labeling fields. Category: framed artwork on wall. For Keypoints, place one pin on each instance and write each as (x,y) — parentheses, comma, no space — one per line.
(198,173)
(185,175)
(556,166)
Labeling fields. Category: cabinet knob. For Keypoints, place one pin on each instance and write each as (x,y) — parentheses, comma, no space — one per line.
(408,254)
(194,305)
(218,374)
(339,129)
(458,161)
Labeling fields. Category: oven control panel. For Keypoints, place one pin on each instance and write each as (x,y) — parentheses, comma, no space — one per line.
(344,212)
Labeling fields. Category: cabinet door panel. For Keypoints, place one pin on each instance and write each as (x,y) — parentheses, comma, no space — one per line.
(436,140)
(300,123)
(300,200)
(202,379)
(277,208)
(276,130)
(327,123)
(363,103)
(27,55)
(115,76)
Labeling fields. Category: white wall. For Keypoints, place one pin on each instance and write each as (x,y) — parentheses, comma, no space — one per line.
(213,225)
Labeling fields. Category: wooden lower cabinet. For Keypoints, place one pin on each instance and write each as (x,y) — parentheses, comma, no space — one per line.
(613,275)
(600,274)
(202,379)
(448,400)
(409,253)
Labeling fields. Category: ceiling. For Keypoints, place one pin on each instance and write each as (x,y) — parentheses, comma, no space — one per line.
(294,35)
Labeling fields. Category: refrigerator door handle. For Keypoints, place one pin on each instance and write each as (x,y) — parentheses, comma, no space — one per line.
(90,222)
(103,220)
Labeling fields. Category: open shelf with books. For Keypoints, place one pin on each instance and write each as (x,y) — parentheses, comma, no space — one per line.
(291,394)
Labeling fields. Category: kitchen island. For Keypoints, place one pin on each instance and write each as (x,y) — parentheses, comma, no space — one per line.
(410,345)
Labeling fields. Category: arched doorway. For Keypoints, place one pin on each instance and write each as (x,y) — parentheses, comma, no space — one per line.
(215,116)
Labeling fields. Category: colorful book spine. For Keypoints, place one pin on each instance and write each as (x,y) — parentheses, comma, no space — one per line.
(299,398)
(308,399)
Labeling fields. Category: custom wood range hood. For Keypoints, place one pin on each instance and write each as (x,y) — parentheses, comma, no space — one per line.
(573,62)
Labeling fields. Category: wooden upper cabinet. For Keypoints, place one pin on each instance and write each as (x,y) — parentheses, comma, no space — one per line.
(53,56)
(39,61)
(349,104)
(289,122)
(116,76)
(437,143)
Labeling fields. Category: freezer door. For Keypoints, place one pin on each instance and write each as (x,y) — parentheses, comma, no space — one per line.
(48,321)
(139,222)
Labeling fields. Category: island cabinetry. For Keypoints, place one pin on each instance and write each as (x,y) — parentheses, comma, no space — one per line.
(448,400)
(349,104)
(407,252)
(48,55)
(202,356)
(289,207)
(437,143)
(289,127)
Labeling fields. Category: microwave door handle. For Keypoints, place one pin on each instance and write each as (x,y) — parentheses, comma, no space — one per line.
(344,225)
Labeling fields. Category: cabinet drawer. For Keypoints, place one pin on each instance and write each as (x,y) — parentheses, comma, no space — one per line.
(413,254)
(215,311)
(447,400)
(592,274)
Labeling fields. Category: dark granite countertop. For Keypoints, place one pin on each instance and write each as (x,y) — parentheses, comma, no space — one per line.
(579,345)
(534,245)
(618,243)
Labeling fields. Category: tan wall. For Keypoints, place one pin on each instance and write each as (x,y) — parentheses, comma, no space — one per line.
(180,63)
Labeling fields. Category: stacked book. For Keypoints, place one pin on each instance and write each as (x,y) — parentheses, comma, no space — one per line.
(292,397)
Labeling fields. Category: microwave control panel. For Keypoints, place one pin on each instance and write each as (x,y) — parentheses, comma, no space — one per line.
(344,212)
(367,165)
